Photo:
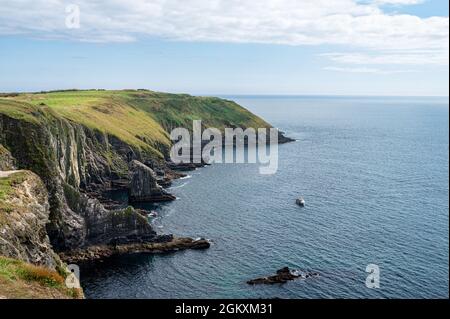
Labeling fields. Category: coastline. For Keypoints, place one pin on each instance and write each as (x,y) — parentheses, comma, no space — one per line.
(72,163)
(165,243)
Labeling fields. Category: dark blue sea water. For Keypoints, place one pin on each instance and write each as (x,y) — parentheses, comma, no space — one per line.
(374,174)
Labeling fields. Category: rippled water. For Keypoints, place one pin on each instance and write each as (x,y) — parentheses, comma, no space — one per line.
(374,174)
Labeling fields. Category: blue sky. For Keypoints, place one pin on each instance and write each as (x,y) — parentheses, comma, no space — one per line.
(385,47)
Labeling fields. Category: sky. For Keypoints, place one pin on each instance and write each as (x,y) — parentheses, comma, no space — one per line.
(216,47)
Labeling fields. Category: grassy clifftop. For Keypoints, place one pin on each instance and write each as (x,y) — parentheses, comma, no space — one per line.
(140,118)
(22,280)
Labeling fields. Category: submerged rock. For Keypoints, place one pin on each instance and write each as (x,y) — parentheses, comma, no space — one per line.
(144,185)
(282,276)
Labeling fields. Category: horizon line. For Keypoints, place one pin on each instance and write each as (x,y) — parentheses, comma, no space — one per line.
(229,94)
(327,95)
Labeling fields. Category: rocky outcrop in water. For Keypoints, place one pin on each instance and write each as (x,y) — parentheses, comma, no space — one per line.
(282,139)
(143,185)
(282,276)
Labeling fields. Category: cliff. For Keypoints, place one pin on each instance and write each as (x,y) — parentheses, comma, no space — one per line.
(29,268)
(24,214)
(71,159)
(77,144)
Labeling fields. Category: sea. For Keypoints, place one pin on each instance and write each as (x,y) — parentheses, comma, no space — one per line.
(374,174)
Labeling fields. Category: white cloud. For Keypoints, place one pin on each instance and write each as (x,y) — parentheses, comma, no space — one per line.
(349,23)
(364,70)
(399,2)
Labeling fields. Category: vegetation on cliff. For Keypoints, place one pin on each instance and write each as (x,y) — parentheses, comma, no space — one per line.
(23,280)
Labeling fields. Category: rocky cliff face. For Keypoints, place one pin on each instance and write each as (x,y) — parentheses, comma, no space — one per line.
(24,212)
(73,160)
(104,226)
(7,162)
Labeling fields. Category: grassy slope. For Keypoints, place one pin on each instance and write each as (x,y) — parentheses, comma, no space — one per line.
(22,280)
(138,117)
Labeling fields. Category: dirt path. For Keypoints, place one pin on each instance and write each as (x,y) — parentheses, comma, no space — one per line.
(7,173)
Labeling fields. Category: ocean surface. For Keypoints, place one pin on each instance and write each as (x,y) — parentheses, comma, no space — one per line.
(374,174)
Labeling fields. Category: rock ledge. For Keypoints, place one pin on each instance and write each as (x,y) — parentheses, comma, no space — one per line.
(94,253)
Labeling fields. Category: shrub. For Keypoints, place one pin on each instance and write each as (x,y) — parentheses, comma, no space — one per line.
(44,276)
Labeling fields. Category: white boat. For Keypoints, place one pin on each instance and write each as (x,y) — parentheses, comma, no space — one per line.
(300,201)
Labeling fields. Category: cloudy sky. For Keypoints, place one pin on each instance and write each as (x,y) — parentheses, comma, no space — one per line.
(355,47)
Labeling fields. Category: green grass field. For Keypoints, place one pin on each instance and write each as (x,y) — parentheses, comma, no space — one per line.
(137,117)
